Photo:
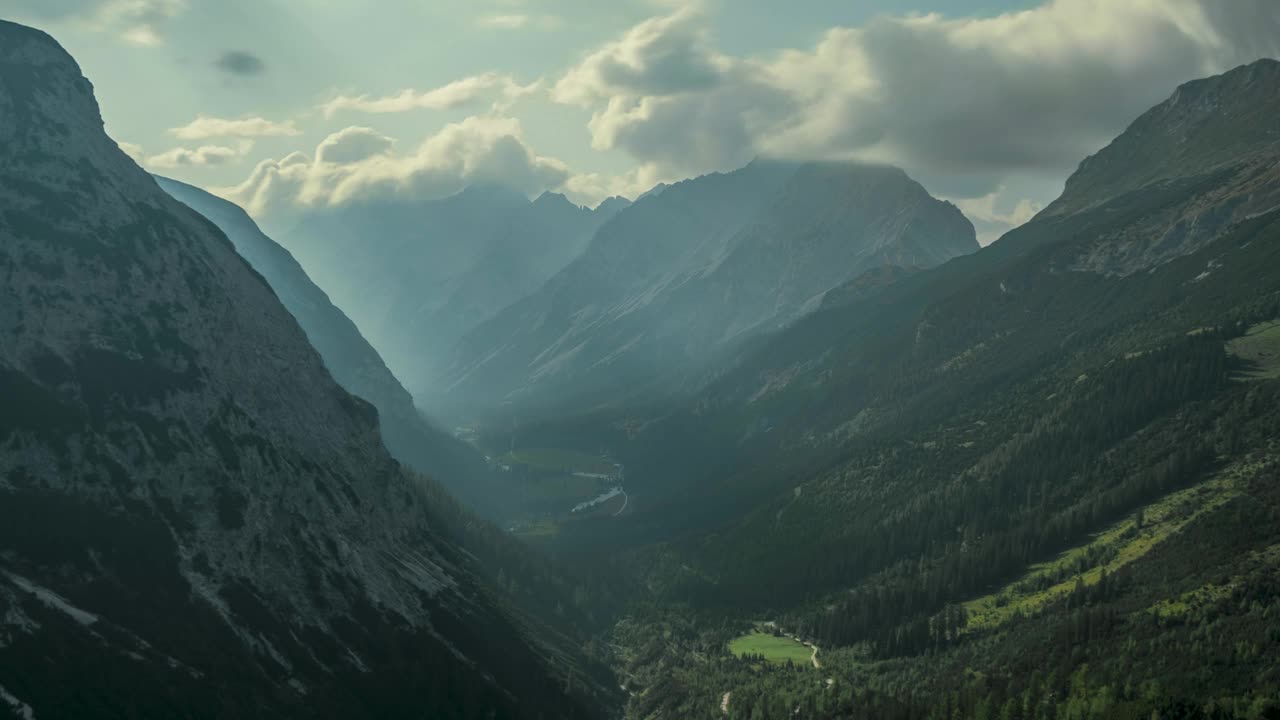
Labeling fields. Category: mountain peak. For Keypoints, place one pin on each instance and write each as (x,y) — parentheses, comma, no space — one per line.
(613,205)
(52,120)
(27,46)
(55,107)
(552,199)
(653,191)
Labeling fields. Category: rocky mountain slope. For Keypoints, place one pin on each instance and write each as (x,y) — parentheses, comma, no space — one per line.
(348,356)
(690,270)
(417,276)
(195,519)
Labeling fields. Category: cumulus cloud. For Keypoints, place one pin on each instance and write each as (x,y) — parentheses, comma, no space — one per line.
(353,145)
(990,220)
(205,127)
(203,156)
(240,62)
(974,98)
(664,95)
(503,90)
(358,164)
(662,56)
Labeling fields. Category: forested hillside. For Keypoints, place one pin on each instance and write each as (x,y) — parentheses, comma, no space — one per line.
(1029,483)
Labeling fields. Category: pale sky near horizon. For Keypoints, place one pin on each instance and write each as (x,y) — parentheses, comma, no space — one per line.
(288,104)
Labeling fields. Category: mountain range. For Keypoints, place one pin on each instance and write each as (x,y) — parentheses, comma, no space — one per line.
(694,269)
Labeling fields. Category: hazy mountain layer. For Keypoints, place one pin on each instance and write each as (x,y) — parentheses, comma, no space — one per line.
(417,276)
(691,270)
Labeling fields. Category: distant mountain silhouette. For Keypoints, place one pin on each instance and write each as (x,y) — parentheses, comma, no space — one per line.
(417,276)
(685,273)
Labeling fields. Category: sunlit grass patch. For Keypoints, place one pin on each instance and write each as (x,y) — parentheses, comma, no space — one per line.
(773,648)
(1117,546)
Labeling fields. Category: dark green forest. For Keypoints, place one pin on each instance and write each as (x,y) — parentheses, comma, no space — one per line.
(1066,513)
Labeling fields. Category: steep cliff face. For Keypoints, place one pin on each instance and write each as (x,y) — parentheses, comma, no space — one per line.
(348,356)
(684,272)
(195,519)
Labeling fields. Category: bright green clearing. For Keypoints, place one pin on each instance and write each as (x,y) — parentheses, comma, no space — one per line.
(772,648)
(558,459)
(1121,544)
(1261,348)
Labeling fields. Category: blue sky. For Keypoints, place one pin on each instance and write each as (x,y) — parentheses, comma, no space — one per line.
(283,105)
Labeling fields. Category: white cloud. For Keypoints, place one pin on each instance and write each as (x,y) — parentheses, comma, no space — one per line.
(139,11)
(591,188)
(203,156)
(662,94)
(359,164)
(989,220)
(502,89)
(205,127)
(520,21)
(143,35)
(353,145)
(974,98)
(662,56)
